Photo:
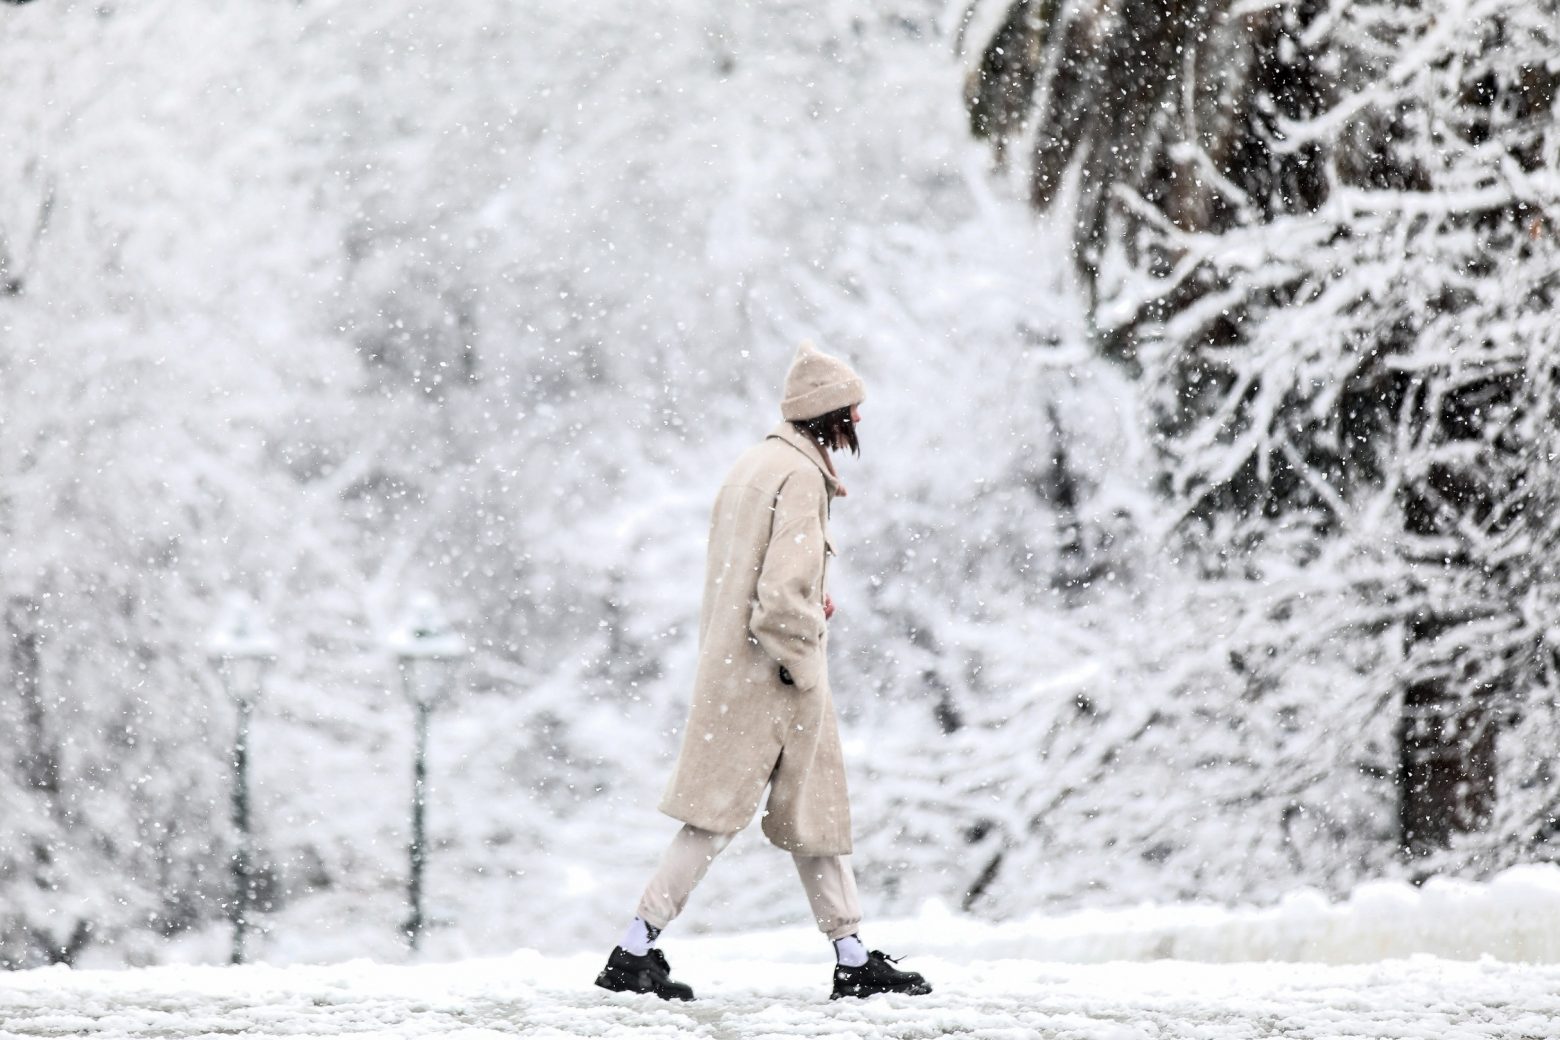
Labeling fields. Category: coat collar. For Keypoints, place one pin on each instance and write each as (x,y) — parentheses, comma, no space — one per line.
(796,439)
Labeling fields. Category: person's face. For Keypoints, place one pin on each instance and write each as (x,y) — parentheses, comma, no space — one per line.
(855,420)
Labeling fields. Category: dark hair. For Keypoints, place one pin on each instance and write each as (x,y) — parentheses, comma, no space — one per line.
(833,430)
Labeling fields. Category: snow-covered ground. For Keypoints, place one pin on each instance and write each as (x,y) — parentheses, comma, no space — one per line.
(1447,961)
(769,989)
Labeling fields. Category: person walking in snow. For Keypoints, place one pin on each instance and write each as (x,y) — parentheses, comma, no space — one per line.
(761,713)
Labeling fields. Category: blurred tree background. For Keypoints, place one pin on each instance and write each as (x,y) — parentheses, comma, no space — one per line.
(1197,550)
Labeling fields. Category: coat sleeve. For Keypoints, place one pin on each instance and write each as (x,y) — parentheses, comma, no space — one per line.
(788,609)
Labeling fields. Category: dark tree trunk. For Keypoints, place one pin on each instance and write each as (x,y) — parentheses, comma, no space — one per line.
(37,758)
(1446,768)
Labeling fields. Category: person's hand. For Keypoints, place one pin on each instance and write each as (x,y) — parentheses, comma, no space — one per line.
(828,606)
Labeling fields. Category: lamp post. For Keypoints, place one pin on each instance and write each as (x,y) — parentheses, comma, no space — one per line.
(241,650)
(427,650)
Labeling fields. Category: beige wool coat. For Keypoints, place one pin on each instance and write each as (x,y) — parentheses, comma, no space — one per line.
(763,608)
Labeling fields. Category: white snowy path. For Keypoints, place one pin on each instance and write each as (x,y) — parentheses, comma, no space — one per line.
(1303,968)
(528,995)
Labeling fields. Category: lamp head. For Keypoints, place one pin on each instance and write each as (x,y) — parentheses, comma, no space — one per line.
(427,648)
(240,645)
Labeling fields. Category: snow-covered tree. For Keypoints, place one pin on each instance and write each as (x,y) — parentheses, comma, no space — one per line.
(1324,233)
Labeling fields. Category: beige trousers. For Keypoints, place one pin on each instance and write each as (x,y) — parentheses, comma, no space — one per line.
(829,881)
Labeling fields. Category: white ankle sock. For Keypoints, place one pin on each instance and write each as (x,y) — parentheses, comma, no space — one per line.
(850,951)
(639,937)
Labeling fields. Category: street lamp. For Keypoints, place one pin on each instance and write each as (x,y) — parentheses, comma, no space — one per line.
(241,650)
(427,649)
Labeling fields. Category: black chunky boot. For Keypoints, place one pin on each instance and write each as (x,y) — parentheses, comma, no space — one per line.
(628,973)
(878,975)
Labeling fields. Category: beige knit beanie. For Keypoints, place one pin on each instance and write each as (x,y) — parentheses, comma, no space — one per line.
(818,384)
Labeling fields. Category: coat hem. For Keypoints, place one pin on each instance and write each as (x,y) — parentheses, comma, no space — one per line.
(795,848)
(703,823)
